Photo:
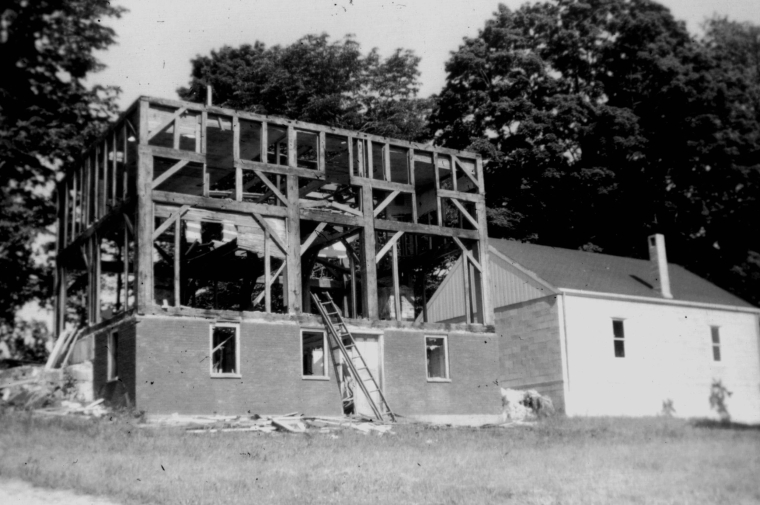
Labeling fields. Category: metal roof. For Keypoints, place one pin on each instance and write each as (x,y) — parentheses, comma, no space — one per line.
(603,273)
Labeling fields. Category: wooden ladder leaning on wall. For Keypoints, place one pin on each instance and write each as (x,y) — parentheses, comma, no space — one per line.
(356,365)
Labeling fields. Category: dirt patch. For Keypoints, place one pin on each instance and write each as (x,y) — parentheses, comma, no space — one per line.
(19,492)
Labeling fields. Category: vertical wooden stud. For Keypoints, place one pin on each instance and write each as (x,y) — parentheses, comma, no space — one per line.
(437,187)
(387,161)
(292,154)
(177,259)
(264,144)
(145,220)
(369,267)
(293,257)
(322,167)
(267,272)
(396,287)
(236,159)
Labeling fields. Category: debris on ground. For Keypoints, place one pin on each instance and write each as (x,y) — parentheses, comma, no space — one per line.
(50,391)
(519,405)
(288,423)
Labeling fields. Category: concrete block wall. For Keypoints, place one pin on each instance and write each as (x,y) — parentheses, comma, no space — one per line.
(473,370)
(530,348)
(173,371)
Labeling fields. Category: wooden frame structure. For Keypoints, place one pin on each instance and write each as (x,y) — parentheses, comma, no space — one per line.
(134,215)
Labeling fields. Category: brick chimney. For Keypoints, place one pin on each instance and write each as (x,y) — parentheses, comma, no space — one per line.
(659,260)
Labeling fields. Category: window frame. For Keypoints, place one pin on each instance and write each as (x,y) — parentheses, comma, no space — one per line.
(325,363)
(221,375)
(112,350)
(616,339)
(715,345)
(445,355)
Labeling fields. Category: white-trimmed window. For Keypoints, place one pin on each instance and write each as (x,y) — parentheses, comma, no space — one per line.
(313,354)
(113,355)
(715,334)
(618,334)
(437,355)
(225,350)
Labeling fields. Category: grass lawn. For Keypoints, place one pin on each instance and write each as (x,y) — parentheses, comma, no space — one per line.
(581,461)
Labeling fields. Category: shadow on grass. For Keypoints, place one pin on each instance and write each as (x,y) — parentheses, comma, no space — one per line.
(715,424)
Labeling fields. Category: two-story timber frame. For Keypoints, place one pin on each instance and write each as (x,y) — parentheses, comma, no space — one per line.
(190,238)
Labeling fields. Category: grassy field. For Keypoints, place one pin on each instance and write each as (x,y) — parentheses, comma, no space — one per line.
(581,461)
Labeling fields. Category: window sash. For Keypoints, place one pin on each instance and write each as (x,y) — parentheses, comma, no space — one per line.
(225,350)
(437,357)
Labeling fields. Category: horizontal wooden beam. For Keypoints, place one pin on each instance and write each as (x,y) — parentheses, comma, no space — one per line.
(427,229)
(306,126)
(330,217)
(218,204)
(282,169)
(173,154)
(467,197)
(386,185)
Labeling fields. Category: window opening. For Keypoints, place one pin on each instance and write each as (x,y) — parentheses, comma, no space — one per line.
(224,349)
(437,358)
(715,333)
(619,338)
(113,356)
(313,353)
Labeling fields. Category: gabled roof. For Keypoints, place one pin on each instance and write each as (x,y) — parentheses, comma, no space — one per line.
(602,273)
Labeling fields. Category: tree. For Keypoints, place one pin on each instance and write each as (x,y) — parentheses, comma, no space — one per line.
(46,116)
(319,81)
(602,121)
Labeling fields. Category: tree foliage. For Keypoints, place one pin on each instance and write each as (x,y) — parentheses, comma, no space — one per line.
(603,121)
(319,81)
(46,114)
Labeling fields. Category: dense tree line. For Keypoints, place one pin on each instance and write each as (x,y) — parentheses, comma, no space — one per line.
(600,121)
(603,121)
(46,116)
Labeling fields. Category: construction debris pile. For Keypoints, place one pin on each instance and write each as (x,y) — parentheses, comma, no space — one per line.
(289,423)
(519,405)
(54,392)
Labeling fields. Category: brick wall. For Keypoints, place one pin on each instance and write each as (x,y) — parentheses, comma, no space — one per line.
(473,365)
(121,391)
(530,349)
(173,371)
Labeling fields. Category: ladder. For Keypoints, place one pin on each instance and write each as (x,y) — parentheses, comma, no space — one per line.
(356,364)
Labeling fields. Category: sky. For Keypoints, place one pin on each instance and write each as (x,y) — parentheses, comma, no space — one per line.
(157,39)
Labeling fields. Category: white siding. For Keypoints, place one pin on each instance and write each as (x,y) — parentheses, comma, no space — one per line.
(668,356)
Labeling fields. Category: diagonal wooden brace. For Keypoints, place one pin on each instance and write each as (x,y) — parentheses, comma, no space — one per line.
(166,123)
(464,212)
(275,238)
(173,170)
(467,253)
(385,202)
(387,246)
(166,224)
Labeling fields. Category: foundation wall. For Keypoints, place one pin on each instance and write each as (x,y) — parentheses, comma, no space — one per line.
(174,375)
(473,370)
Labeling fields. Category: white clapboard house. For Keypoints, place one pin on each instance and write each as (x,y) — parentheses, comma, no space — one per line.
(608,335)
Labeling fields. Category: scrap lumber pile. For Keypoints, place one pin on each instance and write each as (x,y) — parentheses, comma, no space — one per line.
(289,423)
(52,392)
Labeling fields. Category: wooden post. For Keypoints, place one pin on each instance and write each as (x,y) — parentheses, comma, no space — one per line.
(264,144)
(97,271)
(114,167)
(352,267)
(293,256)
(125,265)
(236,159)
(369,160)
(145,220)
(177,252)
(267,272)
(410,168)
(387,161)
(466,274)
(483,259)
(437,187)
(396,287)
(321,166)
(104,200)
(369,267)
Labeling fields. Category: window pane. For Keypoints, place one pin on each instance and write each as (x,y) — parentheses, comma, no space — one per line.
(619,349)
(617,329)
(313,353)
(436,357)
(715,334)
(716,353)
(224,354)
